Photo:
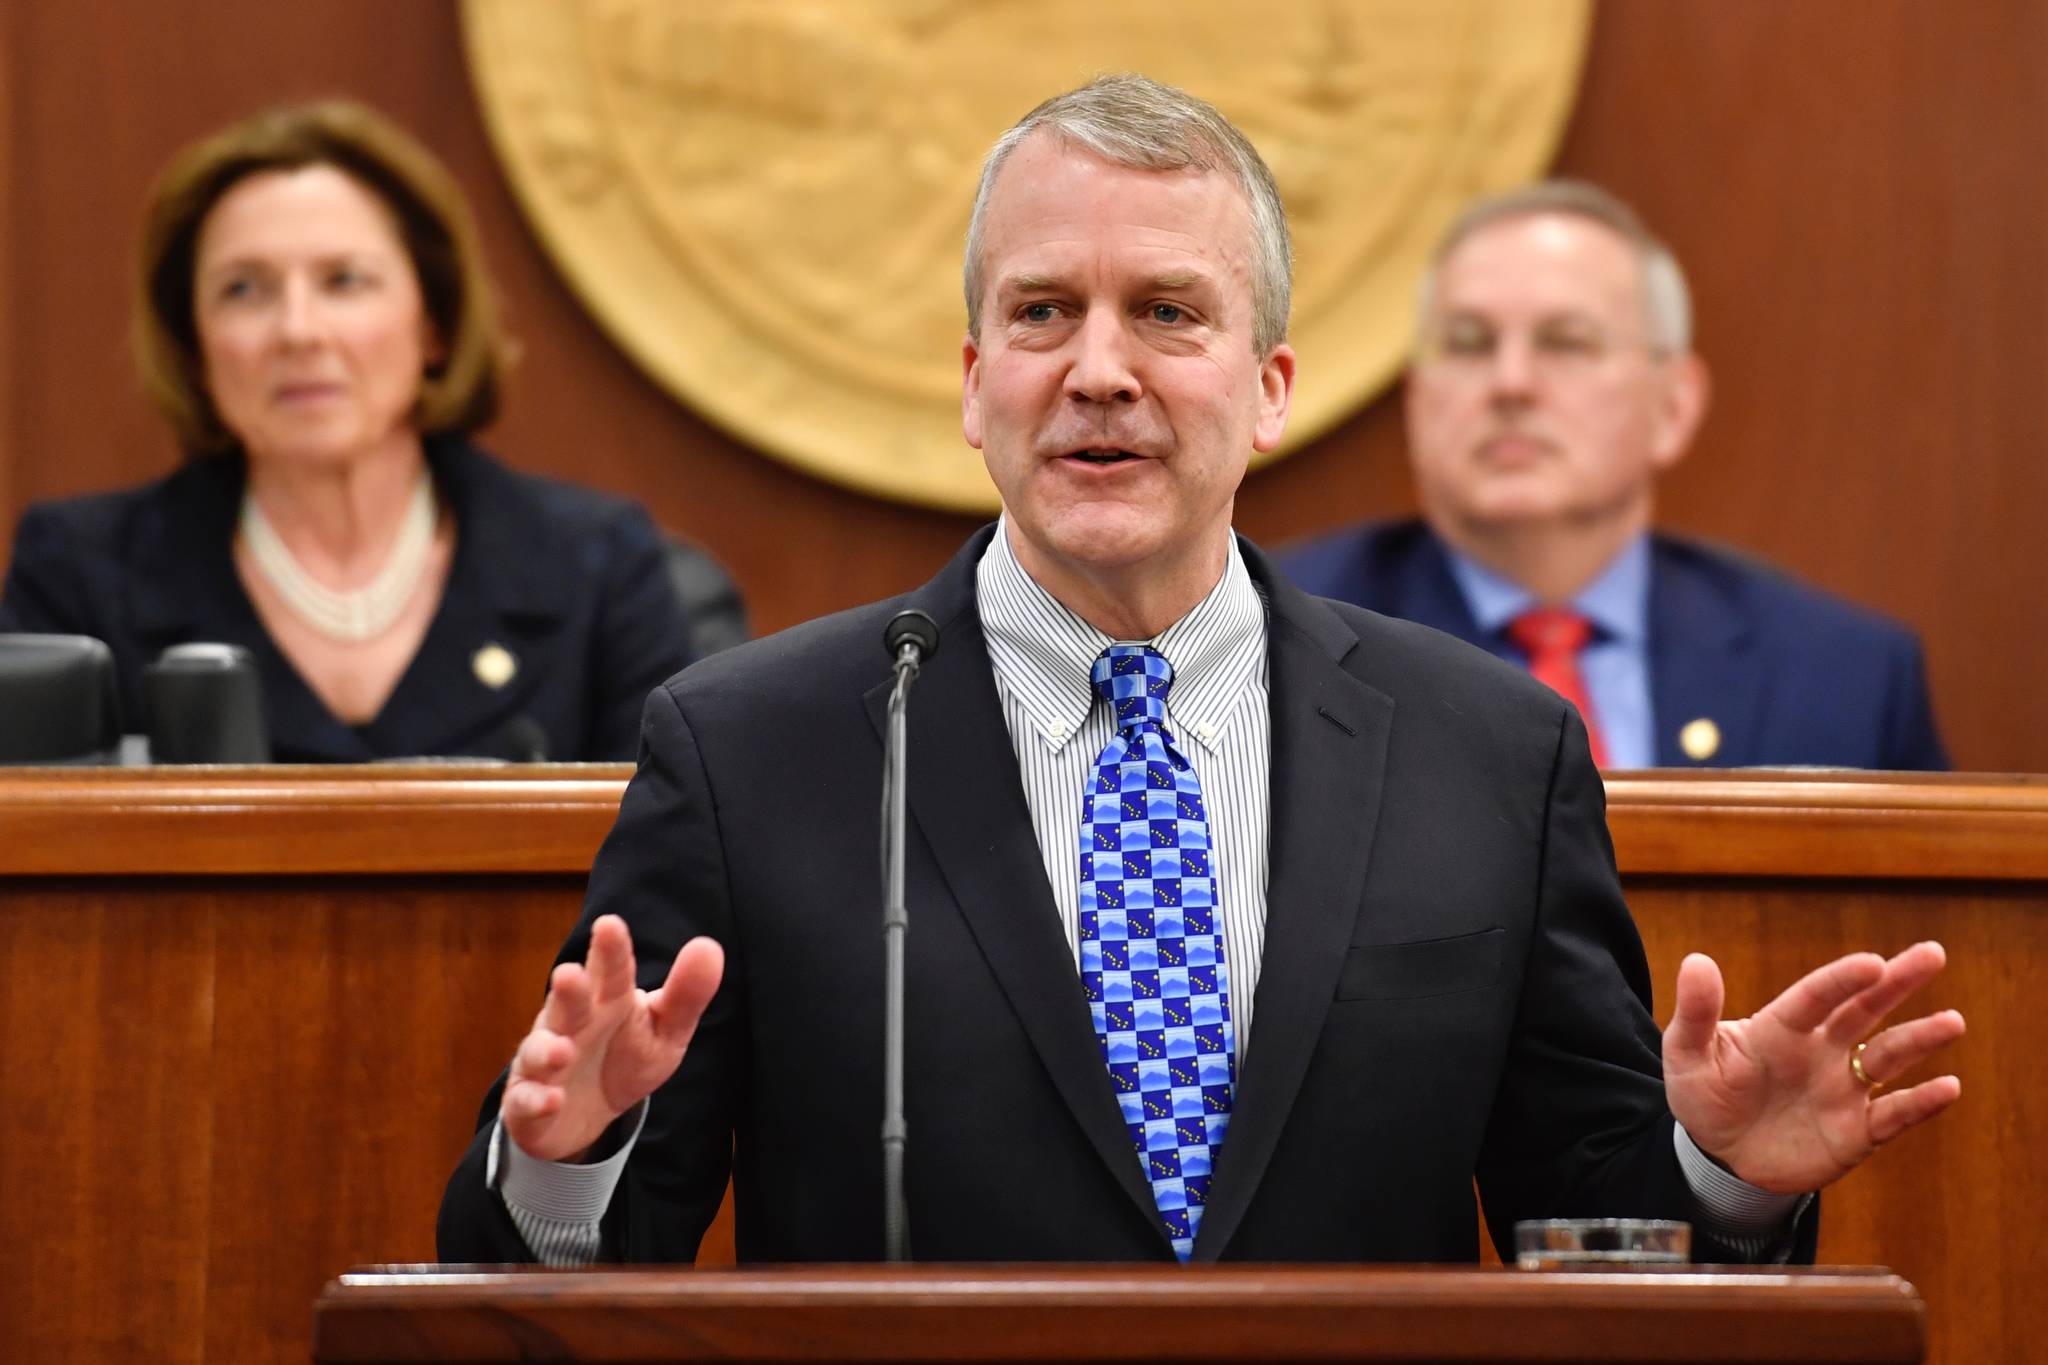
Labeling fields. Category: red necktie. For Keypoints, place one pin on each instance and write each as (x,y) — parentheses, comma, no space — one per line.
(1552,638)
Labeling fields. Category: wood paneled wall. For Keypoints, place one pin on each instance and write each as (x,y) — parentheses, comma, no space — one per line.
(1857,187)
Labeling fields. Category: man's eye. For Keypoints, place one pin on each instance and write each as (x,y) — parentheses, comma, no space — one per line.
(1167,313)
(1467,342)
(1038,312)
(1577,345)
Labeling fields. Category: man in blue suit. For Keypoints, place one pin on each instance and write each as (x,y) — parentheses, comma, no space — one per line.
(1553,382)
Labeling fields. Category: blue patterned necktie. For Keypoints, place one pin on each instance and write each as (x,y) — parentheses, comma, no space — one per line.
(1152,943)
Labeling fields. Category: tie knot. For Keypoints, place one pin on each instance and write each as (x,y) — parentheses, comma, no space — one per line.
(1548,632)
(1133,679)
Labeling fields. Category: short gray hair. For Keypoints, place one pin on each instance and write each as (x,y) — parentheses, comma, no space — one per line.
(1667,304)
(1131,120)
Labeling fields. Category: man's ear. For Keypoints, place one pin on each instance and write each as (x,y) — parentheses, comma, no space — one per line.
(1688,387)
(1276,397)
(970,391)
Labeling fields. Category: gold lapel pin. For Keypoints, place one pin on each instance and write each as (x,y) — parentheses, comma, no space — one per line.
(1701,739)
(494,666)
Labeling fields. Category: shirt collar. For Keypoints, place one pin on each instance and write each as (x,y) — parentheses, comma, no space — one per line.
(1617,601)
(1042,652)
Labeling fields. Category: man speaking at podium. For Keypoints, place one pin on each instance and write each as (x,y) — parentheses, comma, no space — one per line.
(1244,924)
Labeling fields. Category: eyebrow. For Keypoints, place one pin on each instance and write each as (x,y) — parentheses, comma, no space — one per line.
(1033,282)
(1029,283)
(1569,316)
(246,260)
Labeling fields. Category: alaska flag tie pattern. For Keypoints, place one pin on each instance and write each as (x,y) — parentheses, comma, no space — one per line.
(1152,944)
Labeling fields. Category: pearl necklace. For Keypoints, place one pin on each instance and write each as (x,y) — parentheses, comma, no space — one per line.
(354,614)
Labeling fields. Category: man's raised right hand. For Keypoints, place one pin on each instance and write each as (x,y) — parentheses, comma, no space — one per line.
(601,1044)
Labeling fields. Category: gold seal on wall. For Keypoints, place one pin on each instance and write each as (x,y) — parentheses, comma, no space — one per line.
(763,202)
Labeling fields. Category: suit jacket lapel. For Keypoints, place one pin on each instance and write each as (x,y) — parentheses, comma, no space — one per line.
(184,588)
(1330,733)
(1702,664)
(499,593)
(966,800)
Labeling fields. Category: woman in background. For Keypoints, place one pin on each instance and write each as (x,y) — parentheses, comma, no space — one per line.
(313,319)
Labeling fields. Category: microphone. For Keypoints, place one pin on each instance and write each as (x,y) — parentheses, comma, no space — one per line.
(911,631)
(911,637)
(525,741)
(58,700)
(205,705)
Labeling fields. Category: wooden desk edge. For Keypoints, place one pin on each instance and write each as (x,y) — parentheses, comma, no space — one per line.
(1444,1312)
(438,819)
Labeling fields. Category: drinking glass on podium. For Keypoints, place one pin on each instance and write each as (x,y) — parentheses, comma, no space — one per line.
(1601,1243)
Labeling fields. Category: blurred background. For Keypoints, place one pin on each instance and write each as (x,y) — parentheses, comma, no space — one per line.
(1857,188)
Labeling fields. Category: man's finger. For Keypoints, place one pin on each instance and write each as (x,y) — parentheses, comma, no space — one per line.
(528,1100)
(1806,1004)
(1893,1112)
(1902,1046)
(542,1057)
(568,1005)
(610,960)
(692,980)
(1695,1011)
(1902,976)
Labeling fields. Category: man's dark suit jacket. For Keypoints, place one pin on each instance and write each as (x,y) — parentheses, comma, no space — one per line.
(1451,982)
(572,582)
(1789,674)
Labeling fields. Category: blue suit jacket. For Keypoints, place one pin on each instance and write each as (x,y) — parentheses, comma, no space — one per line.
(1789,674)
(571,582)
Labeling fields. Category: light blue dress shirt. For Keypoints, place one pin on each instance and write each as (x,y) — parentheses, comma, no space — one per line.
(1615,663)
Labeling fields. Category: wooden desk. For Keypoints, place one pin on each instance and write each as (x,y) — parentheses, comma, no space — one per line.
(246,1016)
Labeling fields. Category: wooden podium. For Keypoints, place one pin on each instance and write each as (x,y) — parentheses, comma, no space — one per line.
(1116,1314)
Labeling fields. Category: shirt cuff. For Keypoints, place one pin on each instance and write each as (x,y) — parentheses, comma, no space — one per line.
(1733,1206)
(562,1191)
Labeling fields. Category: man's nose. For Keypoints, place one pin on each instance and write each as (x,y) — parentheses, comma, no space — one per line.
(1103,368)
(1512,371)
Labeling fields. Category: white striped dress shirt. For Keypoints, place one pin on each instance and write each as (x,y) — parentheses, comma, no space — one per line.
(1216,712)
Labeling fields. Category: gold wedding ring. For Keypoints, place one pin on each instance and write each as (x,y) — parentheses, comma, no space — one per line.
(1856,1067)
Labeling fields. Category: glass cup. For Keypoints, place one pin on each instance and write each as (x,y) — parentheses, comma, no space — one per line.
(1593,1243)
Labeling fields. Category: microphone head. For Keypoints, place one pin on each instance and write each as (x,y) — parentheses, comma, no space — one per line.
(911,627)
(205,705)
(525,740)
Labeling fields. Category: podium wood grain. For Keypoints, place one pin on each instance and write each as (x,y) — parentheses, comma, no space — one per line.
(246,1016)
(1120,1314)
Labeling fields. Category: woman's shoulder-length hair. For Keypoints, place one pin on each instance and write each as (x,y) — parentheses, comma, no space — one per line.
(459,393)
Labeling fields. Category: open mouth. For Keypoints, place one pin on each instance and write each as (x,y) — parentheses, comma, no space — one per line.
(1101,457)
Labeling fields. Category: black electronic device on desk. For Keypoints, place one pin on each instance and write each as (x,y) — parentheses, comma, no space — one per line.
(58,701)
(205,705)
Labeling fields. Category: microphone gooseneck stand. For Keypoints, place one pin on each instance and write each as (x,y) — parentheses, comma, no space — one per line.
(911,637)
